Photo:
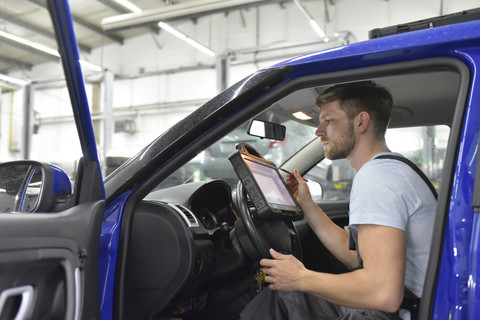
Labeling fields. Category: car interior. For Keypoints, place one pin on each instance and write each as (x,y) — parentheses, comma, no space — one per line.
(188,251)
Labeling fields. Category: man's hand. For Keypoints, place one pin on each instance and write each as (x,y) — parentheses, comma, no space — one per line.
(298,187)
(283,272)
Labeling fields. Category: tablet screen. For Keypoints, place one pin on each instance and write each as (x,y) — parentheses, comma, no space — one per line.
(271,184)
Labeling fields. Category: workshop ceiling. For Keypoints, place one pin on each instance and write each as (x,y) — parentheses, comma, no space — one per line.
(29,19)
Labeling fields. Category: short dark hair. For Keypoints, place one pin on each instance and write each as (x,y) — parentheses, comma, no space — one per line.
(361,96)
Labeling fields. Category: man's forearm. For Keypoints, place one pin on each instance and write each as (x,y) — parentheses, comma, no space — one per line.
(355,289)
(378,285)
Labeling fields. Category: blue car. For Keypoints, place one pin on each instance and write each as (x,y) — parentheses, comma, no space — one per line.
(165,237)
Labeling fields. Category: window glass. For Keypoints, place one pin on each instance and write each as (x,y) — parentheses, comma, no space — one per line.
(425,146)
(213,162)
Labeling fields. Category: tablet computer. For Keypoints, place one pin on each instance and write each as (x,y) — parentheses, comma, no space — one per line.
(265,186)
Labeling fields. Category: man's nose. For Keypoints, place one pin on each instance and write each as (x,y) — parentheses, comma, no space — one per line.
(320,132)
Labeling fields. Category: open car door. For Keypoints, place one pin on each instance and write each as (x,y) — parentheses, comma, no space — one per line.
(49,252)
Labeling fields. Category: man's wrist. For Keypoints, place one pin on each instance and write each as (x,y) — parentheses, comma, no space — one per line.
(304,281)
(308,204)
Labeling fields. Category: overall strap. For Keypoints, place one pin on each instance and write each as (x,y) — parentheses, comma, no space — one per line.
(410,301)
(353,243)
(414,167)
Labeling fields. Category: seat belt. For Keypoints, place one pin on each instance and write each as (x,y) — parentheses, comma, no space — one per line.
(414,167)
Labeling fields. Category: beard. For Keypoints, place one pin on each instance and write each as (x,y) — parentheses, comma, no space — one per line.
(343,146)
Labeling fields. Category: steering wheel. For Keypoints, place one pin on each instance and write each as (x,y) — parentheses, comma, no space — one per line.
(258,236)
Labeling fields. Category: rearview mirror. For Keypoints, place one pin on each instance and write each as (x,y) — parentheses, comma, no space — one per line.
(31,186)
(265,129)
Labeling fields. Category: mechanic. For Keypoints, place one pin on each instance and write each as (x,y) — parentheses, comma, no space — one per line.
(390,223)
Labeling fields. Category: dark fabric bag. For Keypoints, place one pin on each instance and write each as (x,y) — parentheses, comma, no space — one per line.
(277,305)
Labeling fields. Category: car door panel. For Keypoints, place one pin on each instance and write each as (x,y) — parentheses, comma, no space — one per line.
(48,261)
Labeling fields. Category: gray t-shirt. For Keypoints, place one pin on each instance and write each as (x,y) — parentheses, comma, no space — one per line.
(388,192)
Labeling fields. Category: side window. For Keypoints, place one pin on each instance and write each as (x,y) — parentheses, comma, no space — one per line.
(425,146)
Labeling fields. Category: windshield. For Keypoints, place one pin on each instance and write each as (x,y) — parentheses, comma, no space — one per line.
(213,162)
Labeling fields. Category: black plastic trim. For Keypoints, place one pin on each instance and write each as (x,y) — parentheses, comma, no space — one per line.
(457,17)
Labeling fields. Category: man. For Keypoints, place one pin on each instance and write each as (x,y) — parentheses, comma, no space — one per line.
(391,217)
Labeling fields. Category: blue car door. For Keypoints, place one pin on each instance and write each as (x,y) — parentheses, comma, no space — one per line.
(49,260)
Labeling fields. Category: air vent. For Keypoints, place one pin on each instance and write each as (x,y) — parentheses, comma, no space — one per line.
(186,215)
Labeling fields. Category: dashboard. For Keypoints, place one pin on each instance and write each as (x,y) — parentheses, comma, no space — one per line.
(209,203)
(181,246)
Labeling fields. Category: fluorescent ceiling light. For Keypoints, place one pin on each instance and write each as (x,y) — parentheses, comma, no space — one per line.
(130,6)
(13,80)
(310,19)
(200,47)
(30,44)
(301,116)
(317,29)
(45,49)
(173,31)
(188,40)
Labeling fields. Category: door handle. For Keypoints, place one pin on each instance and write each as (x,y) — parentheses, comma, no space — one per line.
(26,304)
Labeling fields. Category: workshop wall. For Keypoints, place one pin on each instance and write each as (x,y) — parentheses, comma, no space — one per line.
(158,79)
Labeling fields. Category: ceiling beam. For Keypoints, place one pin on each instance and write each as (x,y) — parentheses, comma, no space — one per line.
(36,29)
(15,63)
(96,29)
(83,23)
(122,10)
(186,10)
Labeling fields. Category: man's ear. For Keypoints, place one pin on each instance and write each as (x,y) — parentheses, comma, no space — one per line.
(362,121)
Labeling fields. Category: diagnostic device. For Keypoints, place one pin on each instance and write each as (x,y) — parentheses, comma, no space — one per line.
(264,185)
